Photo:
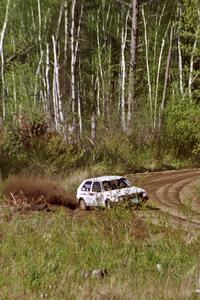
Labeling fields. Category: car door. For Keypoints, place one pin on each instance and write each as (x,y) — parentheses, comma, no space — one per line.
(86,194)
(97,193)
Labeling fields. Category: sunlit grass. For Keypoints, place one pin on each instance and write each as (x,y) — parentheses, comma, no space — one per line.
(43,255)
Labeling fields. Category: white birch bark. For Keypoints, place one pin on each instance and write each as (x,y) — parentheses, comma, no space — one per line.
(2,59)
(133,62)
(66,29)
(55,106)
(158,77)
(180,65)
(33,19)
(47,77)
(79,113)
(97,87)
(73,66)
(4,26)
(39,26)
(74,49)
(37,76)
(158,25)
(3,86)
(100,66)
(180,61)
(57,86)
(162,106)
(147,63)
(93,127)
(123,73)
(78,33)
(192,65)
(14,90)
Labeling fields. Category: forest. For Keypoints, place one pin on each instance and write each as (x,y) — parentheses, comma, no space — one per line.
(102,82)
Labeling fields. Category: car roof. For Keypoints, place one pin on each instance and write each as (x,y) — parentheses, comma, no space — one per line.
(104,178)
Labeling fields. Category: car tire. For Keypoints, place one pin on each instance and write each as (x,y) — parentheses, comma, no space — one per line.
(108,204)
(83,205)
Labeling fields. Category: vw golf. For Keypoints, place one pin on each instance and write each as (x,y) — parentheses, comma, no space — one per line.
(105,191)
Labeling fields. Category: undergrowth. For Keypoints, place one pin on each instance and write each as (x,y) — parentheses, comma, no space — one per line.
(44,254)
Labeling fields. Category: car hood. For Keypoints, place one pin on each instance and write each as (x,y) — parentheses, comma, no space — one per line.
(125,191)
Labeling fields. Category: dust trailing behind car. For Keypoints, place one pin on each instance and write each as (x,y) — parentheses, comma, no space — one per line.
(28,194)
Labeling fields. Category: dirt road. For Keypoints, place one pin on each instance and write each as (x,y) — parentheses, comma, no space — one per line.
(173,193)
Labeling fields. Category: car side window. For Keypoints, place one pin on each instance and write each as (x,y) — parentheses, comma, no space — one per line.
(86,187)
(96,187)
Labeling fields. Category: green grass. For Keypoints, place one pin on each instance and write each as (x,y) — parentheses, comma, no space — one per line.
(43,254)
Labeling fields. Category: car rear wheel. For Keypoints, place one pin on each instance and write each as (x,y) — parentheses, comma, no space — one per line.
(83,205)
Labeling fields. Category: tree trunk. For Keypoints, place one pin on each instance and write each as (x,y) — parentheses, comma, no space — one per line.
(2,60)
(74,49)
(180,61)
(147,65)
(123,74)
(162,106)
(133,62)
(158,78)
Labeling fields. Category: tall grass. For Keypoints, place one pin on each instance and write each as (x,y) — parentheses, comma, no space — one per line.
(43,255)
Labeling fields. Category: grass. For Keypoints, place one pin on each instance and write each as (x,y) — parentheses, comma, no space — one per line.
(43,254)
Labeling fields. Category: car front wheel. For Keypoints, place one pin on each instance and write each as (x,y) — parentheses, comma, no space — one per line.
(83,205)
(108,203)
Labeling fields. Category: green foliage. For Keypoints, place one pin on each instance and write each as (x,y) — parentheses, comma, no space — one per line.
(33,146)
(182,128)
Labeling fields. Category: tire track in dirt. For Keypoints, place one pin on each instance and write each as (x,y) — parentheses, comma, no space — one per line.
(171,191)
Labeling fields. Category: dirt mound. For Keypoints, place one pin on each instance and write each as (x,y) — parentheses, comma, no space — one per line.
(36,194)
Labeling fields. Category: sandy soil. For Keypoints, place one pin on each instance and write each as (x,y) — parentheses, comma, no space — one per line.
(173,194)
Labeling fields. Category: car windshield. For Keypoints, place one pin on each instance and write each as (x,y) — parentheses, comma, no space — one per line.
(115,184)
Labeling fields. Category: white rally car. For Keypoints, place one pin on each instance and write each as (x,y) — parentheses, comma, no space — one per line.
(105,191)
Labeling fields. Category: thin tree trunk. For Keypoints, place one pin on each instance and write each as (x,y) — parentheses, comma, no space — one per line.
(59,20)
(2,60)
(147,63)
(97,87)
(99,48)
(162,106)
(133,62)
(47,77)
(4,26)
(14,90)
(57,85)
(3,86)
(155,50)
(74,49)
(73,67)
(37,76)
(180,63)
(192,65)
(39,27)
(158,76)
(123,73)
(66,29)
(93,127)
(79,112)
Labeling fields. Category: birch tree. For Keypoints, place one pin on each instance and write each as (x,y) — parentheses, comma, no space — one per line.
(123,72)
(2,60)
(133,62)
(74,49)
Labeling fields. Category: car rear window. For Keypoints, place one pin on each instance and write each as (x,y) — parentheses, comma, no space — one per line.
(86,187)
